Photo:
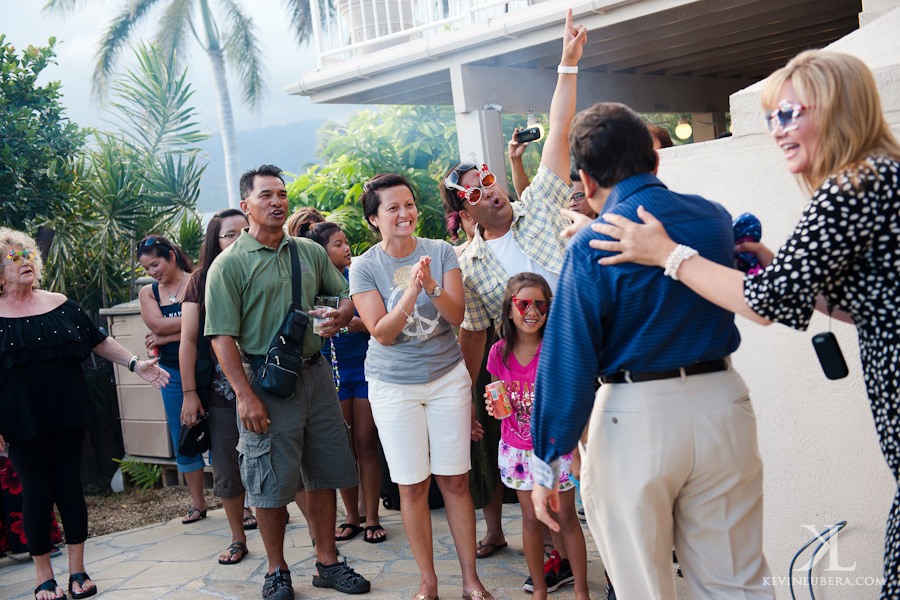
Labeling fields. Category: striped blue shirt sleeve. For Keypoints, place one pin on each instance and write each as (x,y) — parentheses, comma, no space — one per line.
(569,363)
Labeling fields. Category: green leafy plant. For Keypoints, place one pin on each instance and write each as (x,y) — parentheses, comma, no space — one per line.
(144,178)
(418,142)
(38,144)
(141,474)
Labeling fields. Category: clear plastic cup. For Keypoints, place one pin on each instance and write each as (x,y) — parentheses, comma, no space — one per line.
(319,321)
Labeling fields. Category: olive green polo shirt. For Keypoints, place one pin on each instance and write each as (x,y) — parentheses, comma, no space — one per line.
(248,290)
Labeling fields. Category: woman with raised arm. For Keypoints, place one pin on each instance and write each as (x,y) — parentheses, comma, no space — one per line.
(45,405)
(824,113)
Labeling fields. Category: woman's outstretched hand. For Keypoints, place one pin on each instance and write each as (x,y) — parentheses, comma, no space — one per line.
(152,373)
(645,243)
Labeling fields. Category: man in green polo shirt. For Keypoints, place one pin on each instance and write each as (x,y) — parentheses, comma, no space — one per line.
(248,293)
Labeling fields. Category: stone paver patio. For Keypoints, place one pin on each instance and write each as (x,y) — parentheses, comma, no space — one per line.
(178,562)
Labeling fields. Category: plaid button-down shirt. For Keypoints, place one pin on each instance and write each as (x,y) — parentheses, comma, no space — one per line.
(536,227)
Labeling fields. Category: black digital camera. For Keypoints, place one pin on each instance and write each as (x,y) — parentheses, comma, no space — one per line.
(528,135)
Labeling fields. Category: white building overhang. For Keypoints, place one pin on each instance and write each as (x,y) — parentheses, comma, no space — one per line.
(655,55)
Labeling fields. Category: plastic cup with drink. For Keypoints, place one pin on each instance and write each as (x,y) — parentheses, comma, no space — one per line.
(321,305)
(319,320)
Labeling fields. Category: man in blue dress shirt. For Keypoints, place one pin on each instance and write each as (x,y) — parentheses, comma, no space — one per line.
(671,454)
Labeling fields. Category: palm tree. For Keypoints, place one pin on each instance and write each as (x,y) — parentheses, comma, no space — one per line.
(226,33)
(143,178)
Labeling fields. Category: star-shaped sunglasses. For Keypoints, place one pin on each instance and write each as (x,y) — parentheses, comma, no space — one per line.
(785,116)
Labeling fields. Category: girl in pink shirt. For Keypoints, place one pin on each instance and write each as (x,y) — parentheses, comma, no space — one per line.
(513,360)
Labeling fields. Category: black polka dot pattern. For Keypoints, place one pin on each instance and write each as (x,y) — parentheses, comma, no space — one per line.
(847,247)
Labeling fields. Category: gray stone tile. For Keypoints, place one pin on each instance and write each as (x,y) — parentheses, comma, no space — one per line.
(177,562)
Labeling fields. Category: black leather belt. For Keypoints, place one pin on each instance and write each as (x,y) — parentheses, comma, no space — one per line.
(256,360)
(709,366)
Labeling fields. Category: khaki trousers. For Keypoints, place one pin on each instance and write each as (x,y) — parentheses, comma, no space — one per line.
(675,462)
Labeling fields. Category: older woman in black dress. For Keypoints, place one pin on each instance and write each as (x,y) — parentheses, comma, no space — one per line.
(45,405)
(824,113)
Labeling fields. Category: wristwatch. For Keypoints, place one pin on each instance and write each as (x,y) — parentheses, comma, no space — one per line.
(435,293)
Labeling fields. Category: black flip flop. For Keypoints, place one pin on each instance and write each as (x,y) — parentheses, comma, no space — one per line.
(493,549)
(373,539)
(187,520)
(49,586)
(81,579)
(355,530)
(233,549)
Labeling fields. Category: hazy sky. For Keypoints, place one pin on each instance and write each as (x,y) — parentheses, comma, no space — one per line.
(78,33)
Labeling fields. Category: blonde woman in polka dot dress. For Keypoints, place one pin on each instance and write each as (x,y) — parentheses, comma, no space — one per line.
(825,114)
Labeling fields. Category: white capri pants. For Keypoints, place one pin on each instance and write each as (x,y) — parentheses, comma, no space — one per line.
(425,428)
(676,461)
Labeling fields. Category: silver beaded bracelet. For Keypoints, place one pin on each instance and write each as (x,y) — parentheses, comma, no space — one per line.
(680,254)
(409,317)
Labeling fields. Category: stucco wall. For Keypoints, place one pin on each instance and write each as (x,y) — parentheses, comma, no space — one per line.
(817,437)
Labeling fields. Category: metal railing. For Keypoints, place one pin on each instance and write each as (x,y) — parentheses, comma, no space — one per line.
(344,29)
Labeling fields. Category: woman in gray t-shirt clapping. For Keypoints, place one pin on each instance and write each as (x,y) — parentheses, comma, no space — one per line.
(408,292)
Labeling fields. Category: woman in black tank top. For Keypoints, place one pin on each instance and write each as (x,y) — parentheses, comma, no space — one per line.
(161,311)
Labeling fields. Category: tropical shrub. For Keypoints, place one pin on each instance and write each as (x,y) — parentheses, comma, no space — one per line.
(144,178)
(140,474)
(418,142)
(38,144)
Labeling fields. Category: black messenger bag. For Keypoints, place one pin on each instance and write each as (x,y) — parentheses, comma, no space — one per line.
(277,373)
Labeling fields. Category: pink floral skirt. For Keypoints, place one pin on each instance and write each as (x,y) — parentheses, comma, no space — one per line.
(515,468)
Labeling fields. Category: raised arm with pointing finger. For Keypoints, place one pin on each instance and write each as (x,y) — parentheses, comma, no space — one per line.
(511,238)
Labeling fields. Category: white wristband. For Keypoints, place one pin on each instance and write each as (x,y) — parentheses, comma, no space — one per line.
(680,254)
(562,69)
